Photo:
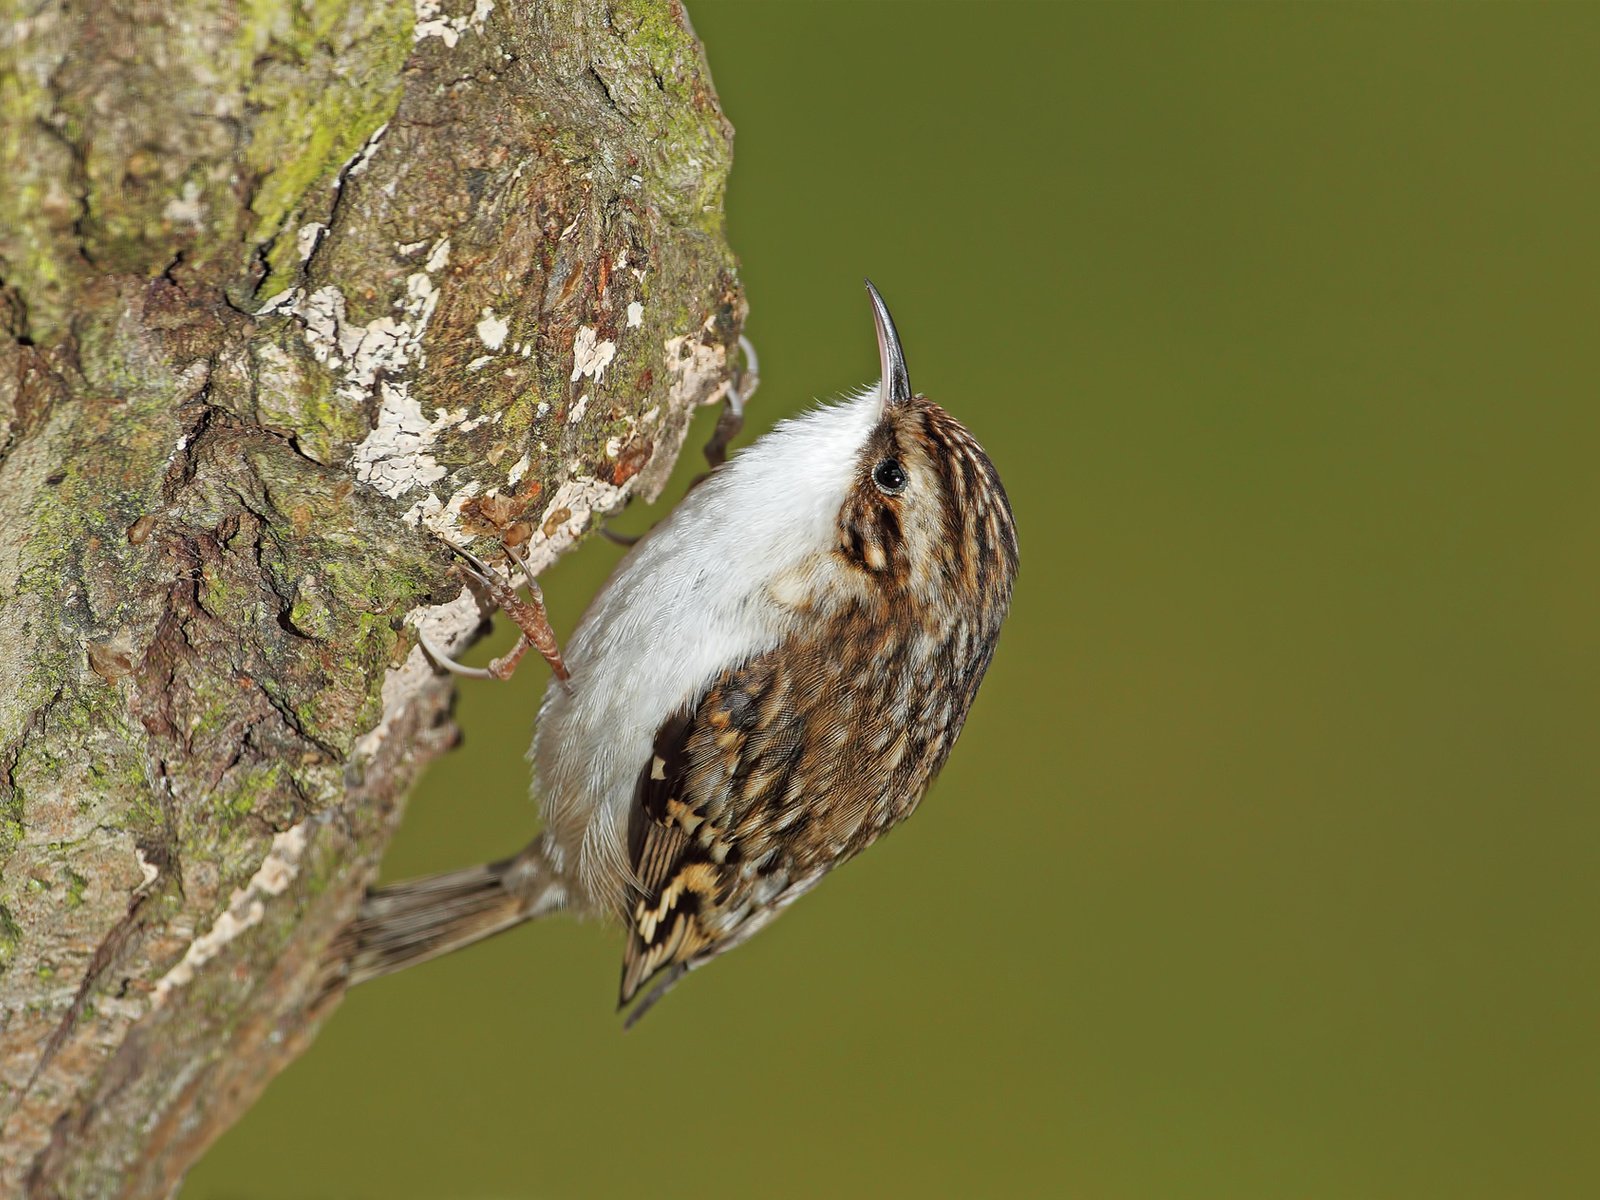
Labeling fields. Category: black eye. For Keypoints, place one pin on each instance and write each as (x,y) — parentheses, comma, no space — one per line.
(890,477)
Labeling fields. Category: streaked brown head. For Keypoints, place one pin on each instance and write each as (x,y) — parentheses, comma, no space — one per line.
(928,519)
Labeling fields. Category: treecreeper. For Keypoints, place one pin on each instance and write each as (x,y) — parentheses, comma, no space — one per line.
(769,681)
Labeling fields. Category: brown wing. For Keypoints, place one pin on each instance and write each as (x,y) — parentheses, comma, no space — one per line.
(786,766)
(663,925)
(695,832)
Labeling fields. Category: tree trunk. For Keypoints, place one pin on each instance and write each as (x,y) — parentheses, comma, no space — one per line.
(288,289)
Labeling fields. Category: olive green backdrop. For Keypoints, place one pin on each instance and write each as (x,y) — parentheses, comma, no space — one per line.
(1267,866)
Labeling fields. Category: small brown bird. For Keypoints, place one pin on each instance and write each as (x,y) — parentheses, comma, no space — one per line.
(768,682)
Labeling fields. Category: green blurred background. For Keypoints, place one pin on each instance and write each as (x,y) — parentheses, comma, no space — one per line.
(1267,866)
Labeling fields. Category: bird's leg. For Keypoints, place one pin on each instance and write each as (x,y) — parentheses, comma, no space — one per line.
(532,620)
(528,615)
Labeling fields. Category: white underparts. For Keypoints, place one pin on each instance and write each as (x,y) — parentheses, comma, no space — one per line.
(716,583)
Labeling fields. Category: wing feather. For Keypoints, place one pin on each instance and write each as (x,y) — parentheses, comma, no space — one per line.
(689,798)
(747,801)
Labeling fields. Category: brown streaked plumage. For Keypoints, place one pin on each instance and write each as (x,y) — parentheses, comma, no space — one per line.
(768,683)
(798,760)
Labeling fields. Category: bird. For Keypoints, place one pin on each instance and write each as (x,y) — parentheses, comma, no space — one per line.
(769,682)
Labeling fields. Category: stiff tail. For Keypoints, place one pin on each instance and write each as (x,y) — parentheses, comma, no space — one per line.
(411,922)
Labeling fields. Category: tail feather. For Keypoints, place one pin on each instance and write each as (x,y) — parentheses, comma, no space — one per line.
(409,923)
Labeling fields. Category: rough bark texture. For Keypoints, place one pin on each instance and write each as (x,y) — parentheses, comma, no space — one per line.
(287,288)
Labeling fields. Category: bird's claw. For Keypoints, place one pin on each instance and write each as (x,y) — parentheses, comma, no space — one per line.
(529,616)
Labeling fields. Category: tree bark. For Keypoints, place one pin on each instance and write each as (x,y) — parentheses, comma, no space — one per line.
(288,290)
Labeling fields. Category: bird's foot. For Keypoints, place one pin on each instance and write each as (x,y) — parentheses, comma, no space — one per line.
(528,615)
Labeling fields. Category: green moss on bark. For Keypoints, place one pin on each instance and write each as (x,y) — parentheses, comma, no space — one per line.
(305,138)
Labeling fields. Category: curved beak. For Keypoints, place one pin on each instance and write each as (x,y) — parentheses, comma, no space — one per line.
(896,386)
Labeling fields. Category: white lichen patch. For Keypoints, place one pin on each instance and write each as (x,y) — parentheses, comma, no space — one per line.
(635,315)
(694,366)
(590,355)
(421,297)
(432,22)
(492,329)
(245,909)
(305,241)
(518,470)
(186,208)
(578,409)
(394,457)
(479,363)
(376,357)
(387,345)
(581,498)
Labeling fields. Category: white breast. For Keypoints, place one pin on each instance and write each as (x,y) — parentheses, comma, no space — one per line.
(693,598)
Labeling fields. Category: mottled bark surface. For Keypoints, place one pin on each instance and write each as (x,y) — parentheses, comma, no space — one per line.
(286,290)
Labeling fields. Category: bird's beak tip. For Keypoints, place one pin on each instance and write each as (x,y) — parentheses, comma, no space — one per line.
(896,385)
